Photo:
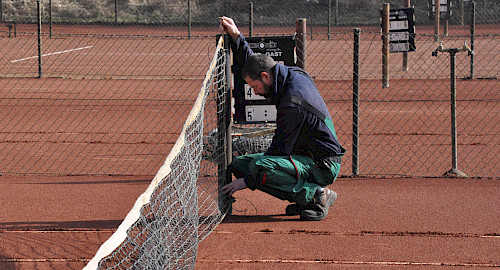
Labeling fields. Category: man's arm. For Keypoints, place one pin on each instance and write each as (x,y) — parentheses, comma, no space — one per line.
(230,28)
(240,46)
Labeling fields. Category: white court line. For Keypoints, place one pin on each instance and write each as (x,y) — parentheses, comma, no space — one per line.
(47,54)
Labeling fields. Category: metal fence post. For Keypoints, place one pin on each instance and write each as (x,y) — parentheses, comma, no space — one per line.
(250,20)
(311,22)
(462,12)
(355,104)
(329,17)
(385,45)
(189,18)
(454,155)
(50,18)
(116,11)
(472,37)
(336,11)
(454,172)
(39,18)
(300,29)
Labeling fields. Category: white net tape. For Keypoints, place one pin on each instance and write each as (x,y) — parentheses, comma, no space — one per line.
(182,205)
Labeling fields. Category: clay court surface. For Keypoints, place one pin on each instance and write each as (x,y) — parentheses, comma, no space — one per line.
(59,222)
(400,223)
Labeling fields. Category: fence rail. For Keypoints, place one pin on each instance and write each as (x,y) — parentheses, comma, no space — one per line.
(116,88)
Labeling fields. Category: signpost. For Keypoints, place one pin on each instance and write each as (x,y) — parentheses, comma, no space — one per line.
(398,35)
(250,108)
(444,8)
(444,13)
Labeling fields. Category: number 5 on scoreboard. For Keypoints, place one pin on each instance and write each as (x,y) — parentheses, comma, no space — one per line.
(250,113)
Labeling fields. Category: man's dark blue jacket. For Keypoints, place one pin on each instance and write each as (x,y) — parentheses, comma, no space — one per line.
(298,131)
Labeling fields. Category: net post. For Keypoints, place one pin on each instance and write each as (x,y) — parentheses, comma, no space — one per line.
(228,119)
(355,104)
(300,30)
(224,128)
(385,45)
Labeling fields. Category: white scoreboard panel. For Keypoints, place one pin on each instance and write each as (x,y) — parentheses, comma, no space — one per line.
(250,94)
(260,113)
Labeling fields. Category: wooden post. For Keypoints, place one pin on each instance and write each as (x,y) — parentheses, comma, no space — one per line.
(301,30)
(436,20)
(462,12)
(405,54)
(447,18)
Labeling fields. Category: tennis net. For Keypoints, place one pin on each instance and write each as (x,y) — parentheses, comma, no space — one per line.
(182,204)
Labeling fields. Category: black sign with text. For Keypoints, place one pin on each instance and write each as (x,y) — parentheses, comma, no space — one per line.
(248,107)
(402,30)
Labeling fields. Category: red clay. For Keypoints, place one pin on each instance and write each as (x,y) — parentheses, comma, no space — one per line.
(400,223)
(59,222)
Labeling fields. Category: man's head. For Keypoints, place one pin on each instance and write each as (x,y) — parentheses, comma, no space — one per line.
(258,73)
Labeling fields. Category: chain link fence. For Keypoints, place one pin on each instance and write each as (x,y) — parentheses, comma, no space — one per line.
(197,15)
(116,80)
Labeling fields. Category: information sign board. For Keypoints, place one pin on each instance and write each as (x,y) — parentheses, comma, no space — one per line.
(402,30)
(248,107)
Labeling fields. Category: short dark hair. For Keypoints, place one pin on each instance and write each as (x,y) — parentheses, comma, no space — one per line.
(256,64)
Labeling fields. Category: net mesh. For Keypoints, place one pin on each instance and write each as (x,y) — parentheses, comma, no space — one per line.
(182,204)
(251,139)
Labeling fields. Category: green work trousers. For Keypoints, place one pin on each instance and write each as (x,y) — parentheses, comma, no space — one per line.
(294,178)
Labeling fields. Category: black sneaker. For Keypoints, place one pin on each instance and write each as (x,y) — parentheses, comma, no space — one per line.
(293,209)
(318,208)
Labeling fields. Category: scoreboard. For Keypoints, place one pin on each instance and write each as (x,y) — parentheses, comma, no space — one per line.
(248,107)
(402,30)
